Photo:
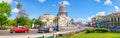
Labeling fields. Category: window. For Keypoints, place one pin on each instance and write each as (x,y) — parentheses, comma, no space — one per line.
(118,19)
(114,19)
(111,19)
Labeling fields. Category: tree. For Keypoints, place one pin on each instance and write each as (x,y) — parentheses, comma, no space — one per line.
(55,20)
(19,5)
(5,10)
(21,12)
(11,22)
(23,21)
(72,20)
(33,21)
(42,24)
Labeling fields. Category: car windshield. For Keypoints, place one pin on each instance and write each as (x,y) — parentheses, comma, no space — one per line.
(21,27)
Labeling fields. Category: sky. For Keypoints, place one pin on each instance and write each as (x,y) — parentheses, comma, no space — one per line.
(79,10)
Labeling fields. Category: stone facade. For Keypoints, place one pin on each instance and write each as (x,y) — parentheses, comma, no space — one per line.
(62,14)
(62,17)
(112,19)
(47,19)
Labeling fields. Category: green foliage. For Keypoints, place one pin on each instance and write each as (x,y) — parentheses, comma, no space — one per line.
(35,21)
(71,33)
(98,35)
(11,22)
(97,30)
(55,20)
(41,23)
(19,5)
(62,37)
(45,37)
(22,21)
(117,31)
(93,35)
(5,10)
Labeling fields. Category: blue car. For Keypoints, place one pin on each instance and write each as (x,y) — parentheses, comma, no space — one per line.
(55,28)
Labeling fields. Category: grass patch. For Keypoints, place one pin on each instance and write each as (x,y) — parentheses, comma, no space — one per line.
(94,35)
(98,35)
(62,37)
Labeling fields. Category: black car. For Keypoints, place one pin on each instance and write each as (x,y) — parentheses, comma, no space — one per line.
(43,30)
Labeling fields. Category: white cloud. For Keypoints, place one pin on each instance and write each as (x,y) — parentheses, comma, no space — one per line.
(8,1)
(41,1)
(116,8)
(100,14)
(16,2)
(15,10)
(84,20)
(97,0)
(108,2)
(65,2)
(89,18)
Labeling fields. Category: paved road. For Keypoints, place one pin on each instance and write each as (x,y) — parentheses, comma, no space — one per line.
(7,32)
(31,33)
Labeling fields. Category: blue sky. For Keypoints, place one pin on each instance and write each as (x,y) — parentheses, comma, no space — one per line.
(77,9)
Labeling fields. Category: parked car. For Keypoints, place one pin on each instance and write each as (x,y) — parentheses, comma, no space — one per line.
(55,28)
(19,29)
(43,30)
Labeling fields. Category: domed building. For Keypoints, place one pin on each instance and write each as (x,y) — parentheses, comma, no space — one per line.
(62,19)
(62,14)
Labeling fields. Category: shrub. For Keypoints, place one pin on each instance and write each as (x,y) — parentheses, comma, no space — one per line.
(117,31)
(97,30)
(71,33)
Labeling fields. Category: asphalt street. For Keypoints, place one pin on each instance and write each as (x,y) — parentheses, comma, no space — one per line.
(32,33)
(7,32)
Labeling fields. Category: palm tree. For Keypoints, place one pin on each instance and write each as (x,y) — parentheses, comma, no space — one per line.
(71,21)
(55,21)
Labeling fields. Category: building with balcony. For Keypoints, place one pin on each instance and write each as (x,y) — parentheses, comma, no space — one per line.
(110,20)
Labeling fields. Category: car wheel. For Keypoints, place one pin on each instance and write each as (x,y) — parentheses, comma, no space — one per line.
(43,32)
(13,32)
(38,32)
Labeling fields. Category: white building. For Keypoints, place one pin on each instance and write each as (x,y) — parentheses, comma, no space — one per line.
(47,19)
(62,17)
(62,14)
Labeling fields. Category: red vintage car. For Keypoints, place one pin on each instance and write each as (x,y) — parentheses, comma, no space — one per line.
(19,29)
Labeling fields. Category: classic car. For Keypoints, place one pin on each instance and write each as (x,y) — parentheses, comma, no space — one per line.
(19,29)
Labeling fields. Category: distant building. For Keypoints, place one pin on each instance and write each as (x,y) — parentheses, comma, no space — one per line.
(62,14)
(112,19)
(95,20)
(47,19)
(62,20)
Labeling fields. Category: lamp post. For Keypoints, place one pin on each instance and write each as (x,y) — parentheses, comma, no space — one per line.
(57,23)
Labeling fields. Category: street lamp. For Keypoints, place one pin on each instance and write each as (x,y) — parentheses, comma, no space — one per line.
(57,23)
